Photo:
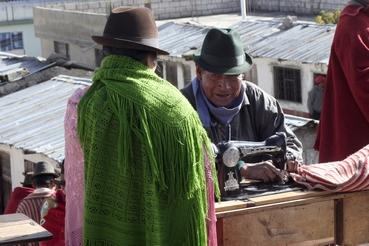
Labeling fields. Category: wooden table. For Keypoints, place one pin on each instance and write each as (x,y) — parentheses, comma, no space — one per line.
(295,218)
(18,228)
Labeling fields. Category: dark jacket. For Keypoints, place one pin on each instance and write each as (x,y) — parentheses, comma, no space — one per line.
(259,118)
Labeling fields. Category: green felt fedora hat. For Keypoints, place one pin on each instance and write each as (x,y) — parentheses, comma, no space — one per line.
(222,52)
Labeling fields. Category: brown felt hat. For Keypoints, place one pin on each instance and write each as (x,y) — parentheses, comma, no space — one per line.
(131,28)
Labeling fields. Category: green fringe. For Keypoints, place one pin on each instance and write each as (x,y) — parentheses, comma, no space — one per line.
(129,102)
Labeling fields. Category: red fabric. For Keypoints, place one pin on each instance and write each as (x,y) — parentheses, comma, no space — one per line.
(55,222)
(351,174)
(16,197)
(344,122)
(32,204)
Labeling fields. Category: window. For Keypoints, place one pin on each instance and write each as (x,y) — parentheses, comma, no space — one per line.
(17,40)
(11,41)
(287,84)
(61,48)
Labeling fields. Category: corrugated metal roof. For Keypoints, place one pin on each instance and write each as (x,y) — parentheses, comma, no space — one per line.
(33,119)
(32,64)
(309,43)
(179,39)
(296,122)
(303,42)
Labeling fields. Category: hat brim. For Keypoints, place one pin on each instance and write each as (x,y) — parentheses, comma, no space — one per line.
(127,44)
(54,174)
(234,70)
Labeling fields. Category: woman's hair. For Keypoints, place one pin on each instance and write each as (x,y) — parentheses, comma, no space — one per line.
(138,55)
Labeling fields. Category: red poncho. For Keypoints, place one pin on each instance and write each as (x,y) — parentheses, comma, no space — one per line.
(16,197)
(344,124)
(55,221)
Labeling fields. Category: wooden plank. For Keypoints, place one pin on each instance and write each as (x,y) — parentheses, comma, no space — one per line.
(256,203)
(356,218)
(288,196)
(232,205)
(16,228)
(308,224)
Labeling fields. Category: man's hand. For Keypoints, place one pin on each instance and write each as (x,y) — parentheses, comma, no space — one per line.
(292,166)
(264,170)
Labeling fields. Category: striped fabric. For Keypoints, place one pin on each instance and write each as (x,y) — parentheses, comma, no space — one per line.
(31,205)
(351,174)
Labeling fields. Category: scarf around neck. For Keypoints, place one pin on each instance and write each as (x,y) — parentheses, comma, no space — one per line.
(205,108)
(144,159)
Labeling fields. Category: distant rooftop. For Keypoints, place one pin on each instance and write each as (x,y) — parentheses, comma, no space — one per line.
(10,63)
(33,119)
(304,41)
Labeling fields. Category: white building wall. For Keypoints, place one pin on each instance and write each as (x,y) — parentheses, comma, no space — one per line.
(266,79)
(31,44)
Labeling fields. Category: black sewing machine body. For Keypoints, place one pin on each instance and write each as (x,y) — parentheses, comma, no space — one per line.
(231,152)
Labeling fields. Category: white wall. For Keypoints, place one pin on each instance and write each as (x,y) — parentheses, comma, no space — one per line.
(266,80)
(31,44)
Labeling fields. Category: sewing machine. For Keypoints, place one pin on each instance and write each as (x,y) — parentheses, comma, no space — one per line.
(230,153)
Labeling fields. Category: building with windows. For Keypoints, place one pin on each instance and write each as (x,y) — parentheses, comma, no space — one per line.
(17,33)
(288,54)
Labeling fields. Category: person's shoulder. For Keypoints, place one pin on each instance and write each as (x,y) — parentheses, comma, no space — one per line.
(353,18)
(260,98)
(171,106)
(187,91)
(251,89)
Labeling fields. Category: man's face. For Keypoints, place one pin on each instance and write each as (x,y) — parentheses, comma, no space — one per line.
(220,89)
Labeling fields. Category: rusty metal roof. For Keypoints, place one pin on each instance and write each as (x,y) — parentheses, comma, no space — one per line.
(32,119)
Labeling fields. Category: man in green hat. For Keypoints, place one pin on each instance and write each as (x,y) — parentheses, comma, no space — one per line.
(231,108)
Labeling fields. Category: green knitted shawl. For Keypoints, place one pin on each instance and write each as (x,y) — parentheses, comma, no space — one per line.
(143,146)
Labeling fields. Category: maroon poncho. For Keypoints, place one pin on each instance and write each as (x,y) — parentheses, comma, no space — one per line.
(344,124)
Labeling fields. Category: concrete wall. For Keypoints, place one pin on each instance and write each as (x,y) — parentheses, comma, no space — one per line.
(16,10)
(84,54)
(31,44)
(163,9)
(266,81)
(308,7)
(59,25)
(13,11)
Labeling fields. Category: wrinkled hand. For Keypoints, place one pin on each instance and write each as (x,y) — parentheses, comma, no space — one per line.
(292,165)
(264,170)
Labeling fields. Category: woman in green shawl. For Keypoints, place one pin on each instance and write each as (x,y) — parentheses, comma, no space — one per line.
(144,145)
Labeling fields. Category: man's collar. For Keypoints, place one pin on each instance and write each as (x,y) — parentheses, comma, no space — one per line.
(245,99)
(42,190)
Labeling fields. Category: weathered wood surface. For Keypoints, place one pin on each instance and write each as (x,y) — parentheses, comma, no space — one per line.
(295,218)
(356,219)
(307,224)
(18,228)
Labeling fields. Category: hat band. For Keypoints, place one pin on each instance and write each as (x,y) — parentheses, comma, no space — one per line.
(153,42)
(223,61)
